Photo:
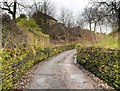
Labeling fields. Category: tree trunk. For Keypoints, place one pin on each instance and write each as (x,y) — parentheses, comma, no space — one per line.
(119,19)
(95,30)
(14,9)
(91,32)
(90,26)
(95,27)
(106,28)
(101,29)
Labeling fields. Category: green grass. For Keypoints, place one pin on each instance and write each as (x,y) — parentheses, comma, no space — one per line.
(110,41)
(24,23)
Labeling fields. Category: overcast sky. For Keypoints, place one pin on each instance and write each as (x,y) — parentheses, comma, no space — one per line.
(74,5)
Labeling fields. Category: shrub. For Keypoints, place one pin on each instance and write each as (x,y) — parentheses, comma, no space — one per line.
(104,63)
(17,61)
(24,23)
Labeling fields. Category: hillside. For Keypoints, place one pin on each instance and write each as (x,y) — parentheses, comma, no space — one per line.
(111,40)
(22,33)
(60,33)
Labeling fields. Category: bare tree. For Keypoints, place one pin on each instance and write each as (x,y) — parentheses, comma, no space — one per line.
(12,7)
(31,9)
(80,21)
(66,17)
(46,7)
(63,15)
(88,16)
(99,15)
(113,11)
(8,7)
(70,22)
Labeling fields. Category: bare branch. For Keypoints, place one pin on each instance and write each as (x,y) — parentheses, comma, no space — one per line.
(104,3)
(11,12)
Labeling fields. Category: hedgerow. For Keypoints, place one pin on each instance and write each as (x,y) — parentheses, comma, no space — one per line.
(16,62)
(104,63)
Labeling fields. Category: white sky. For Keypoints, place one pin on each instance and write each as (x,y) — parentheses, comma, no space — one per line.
(74,5)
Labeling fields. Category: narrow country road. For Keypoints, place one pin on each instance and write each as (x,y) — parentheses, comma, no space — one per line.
(60,72)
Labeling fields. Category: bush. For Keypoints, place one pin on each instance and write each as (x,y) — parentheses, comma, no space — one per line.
(104,63)
(22,16)
(24,23)
(17,61)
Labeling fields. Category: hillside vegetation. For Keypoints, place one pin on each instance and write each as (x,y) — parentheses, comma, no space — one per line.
(24,45)
(111,40)
(102,58)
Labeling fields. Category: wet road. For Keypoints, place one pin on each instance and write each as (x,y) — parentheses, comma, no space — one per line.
(60,72)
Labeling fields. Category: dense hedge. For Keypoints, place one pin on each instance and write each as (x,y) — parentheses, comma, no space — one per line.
(104,63)
(17,61)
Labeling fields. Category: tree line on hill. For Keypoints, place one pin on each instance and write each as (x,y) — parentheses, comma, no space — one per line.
(96,14)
